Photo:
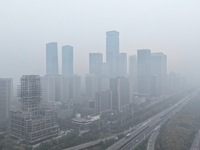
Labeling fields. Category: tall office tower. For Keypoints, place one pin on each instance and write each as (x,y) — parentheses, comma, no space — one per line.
(6,95)
(121,62)
(144,71)
(120,88)
(159,68)
(48,85)
(112,51)
(32,122)
(67,60)
(103,101)
(133,72)
(95,63)
(51,59)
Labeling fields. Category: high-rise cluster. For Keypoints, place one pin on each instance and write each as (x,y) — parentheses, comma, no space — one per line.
(145,76)
(62,87)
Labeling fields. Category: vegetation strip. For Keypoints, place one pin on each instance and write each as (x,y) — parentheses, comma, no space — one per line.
(179,132)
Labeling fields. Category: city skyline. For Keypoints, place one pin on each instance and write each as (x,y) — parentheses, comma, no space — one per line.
(160,26)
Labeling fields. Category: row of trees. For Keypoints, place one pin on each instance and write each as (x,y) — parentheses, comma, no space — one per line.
(179,132)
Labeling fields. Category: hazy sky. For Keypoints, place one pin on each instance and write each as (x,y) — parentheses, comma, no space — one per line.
(168,26)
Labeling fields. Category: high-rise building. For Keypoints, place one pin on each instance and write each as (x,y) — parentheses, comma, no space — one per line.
(103,101)
(121,62)
(6,95)
(51,59)
(32,122)
(112,51)
(95,63)
(133,72)
(144,71)
(120,88)
(159,68)
(67,60)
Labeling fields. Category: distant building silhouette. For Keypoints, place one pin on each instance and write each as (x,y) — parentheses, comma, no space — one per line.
(103,101)
(67,60)
(144,71)
(51,59)
(120,88)
(133,72)
(112,51)
(159,68)
(6,95)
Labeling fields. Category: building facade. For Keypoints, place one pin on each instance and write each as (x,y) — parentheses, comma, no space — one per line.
(144,71)
(51,59)
(103,101)
(133,72)
(6,95)
(112,51)
(120,88)
(32,122)
(67,60)
(159,68)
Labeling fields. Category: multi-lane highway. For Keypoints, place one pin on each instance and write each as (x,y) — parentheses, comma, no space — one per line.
(149,126)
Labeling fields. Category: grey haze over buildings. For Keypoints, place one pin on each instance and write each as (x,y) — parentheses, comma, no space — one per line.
(170,27)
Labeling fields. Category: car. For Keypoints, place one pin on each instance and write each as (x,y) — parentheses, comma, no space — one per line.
(136,140)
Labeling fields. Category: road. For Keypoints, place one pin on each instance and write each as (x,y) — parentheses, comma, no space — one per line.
(152,139)
(148,127)
(195,144)
(85,145)
(140,126)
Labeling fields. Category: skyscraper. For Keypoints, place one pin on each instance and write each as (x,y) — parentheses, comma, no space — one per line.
(6,95)
(120,88)
(51,59)
(133,72)
(95,63)
(159,68)
(144,71)
(112,50)
(103,101)
(67,60)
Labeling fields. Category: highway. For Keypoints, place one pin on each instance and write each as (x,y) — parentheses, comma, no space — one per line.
(141,137)
(152,139)
(85,145)
(195,144)
(149,126)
